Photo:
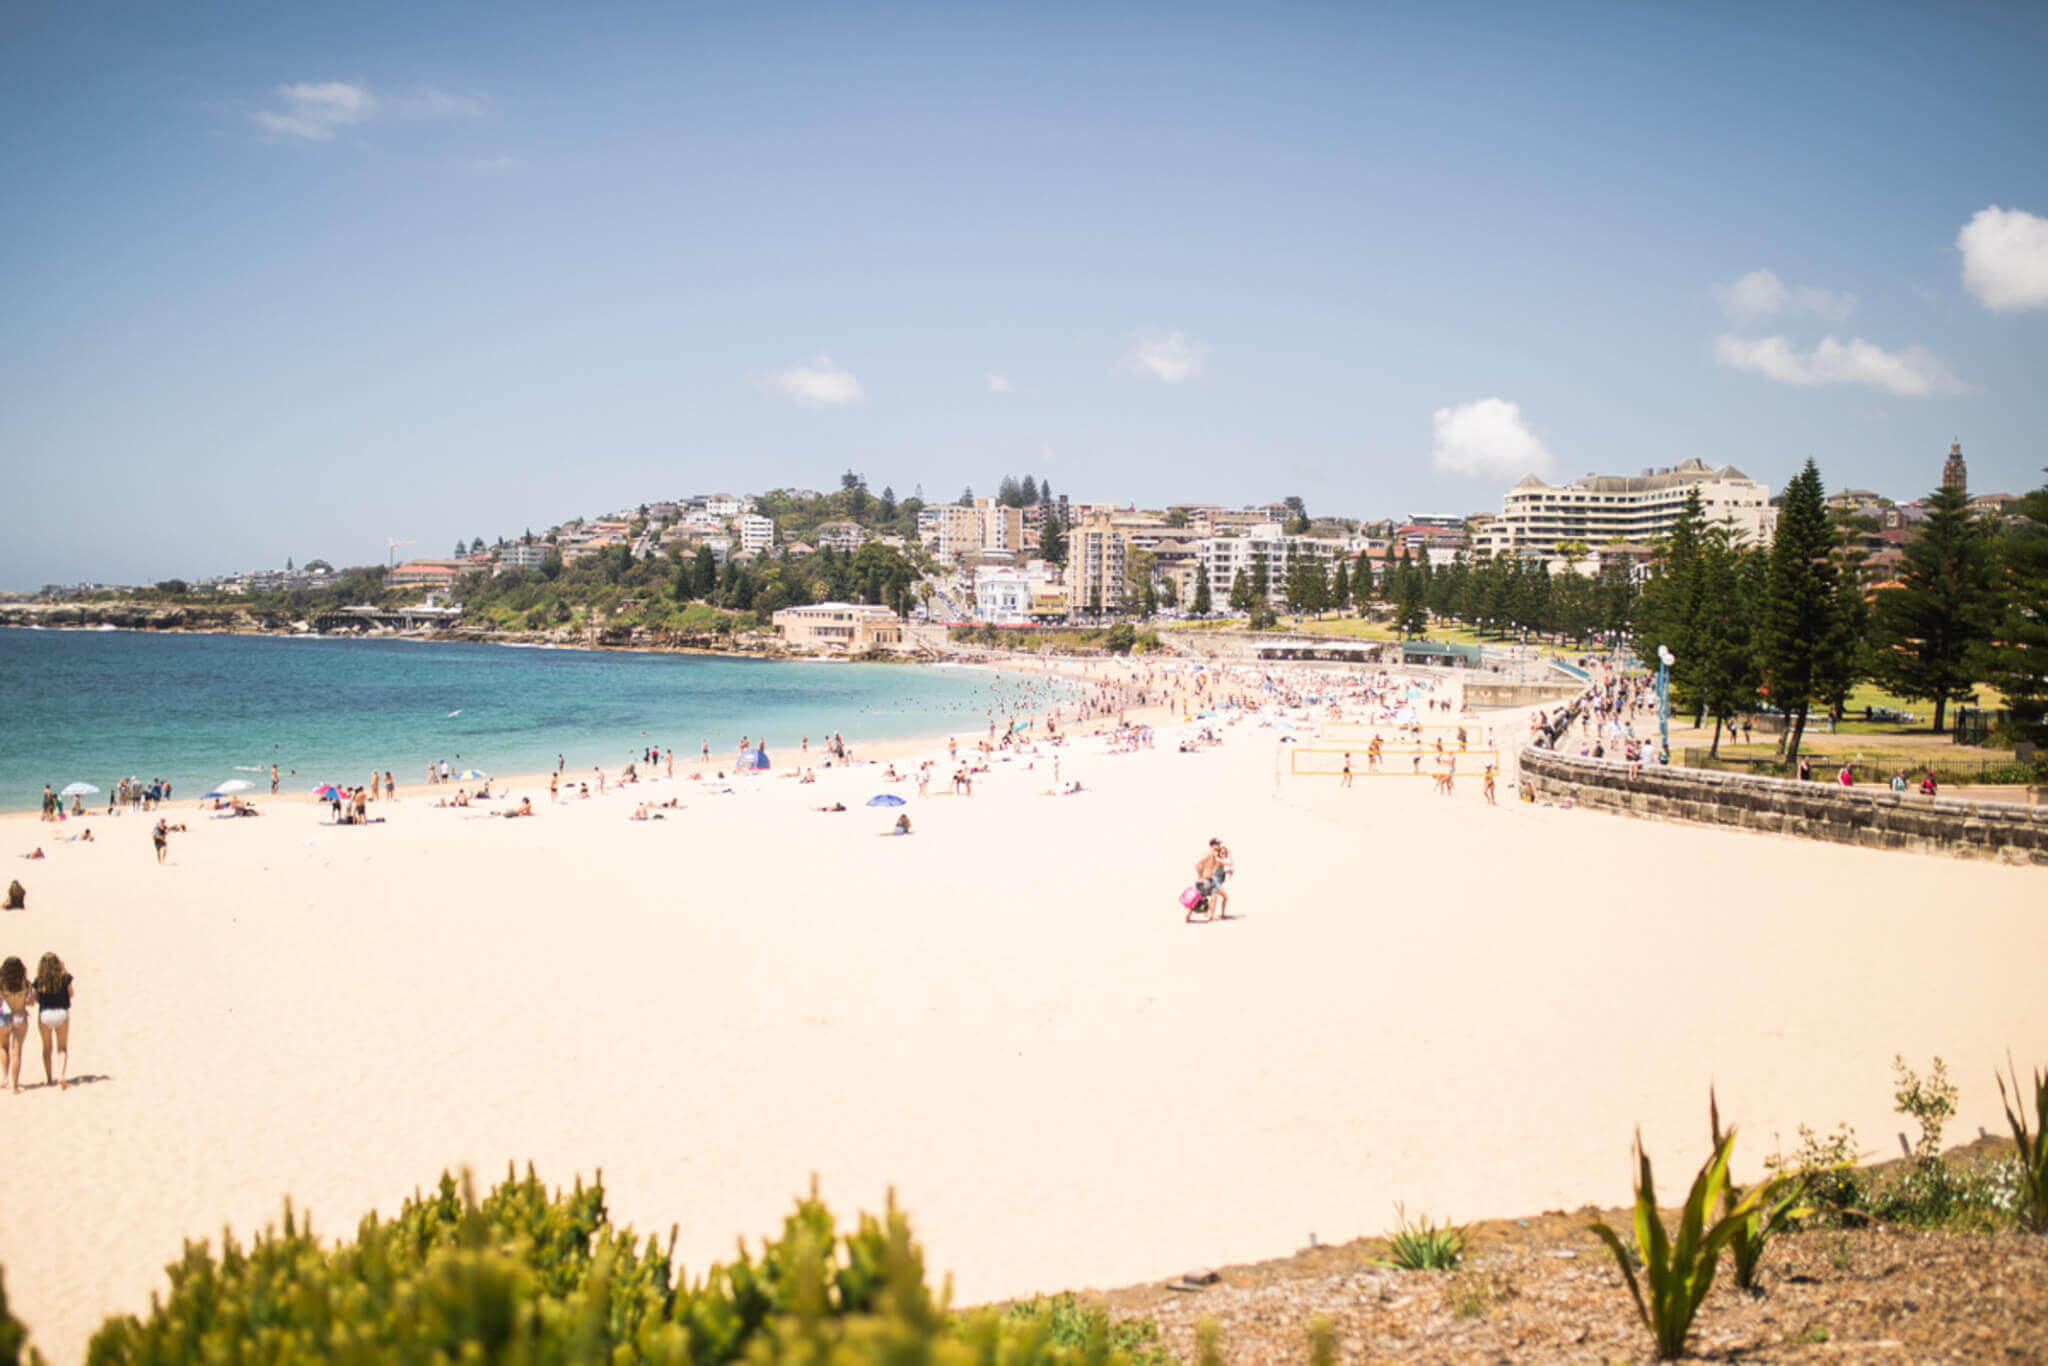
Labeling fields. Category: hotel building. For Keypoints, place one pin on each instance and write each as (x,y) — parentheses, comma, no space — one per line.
(1599,508)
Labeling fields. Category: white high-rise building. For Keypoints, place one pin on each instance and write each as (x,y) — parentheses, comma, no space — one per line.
(1535,517)
(1226,557)
(757,533)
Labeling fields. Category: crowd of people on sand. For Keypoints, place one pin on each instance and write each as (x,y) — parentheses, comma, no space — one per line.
(127,794)
(49,995)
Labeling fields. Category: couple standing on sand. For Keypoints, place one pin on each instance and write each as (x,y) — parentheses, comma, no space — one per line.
(50,994)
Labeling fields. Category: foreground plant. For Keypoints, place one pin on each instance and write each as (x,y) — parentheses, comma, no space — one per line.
(532,1276)
(2032,1144)
(1772,1208)
(1680,1271)
(1424,1245)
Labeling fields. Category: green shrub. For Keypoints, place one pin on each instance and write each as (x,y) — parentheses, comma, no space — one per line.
(1932,1103)
(1678,1272)
(1068,1324)
(1834,1188)
(530,1278)
(2032,1143)
(1423,1245)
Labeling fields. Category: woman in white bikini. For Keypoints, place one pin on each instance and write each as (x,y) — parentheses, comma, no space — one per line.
(14,994)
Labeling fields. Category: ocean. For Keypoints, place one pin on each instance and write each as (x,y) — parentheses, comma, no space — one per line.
(96,706)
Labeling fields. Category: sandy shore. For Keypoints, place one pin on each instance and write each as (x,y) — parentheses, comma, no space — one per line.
(1425,999)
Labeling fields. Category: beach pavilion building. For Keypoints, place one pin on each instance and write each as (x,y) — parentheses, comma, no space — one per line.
(839,627)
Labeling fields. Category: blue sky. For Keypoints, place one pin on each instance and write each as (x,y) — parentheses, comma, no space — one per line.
(284,283)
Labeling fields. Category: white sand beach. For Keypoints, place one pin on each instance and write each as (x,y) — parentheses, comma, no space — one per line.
(1426,1000)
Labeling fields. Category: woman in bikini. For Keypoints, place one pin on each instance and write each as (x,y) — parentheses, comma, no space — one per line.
(53,1016)
(14,993)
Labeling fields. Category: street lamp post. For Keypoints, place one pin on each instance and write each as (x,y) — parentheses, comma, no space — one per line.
(1664,663)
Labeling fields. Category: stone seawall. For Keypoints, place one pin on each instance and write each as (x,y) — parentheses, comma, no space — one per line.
(1876,818)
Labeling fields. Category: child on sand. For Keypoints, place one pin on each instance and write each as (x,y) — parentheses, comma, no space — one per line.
(53,1017)
(13,1020)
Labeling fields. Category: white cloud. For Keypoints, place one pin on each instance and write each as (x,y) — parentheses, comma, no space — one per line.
(999,384)
(496,164)
(1912,373)
(1761,293)
(819,382)
(1171,359)
(316,109)
(2005,259)
(1487,439)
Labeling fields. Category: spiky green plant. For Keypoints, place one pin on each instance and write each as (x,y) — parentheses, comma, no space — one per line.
(1774,1206)
(1423,1245)
(2032,1144)
(1680,1271)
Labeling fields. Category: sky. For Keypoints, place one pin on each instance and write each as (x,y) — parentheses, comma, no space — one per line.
(296,281)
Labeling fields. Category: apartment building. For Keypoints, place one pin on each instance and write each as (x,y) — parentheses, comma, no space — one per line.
(521,556)
(1599,508)
(1096,562)
(757,533)
(950,531)
(844,536)
(1226,557)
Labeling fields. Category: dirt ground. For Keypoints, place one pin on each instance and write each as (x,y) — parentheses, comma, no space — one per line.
(1543,1290)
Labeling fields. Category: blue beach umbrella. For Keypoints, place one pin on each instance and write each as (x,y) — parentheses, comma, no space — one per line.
(328,792)
(470,775)
(885,799)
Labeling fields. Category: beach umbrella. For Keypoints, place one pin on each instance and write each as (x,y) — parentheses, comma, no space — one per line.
(328,792)
(885,799)
(78,790)
(232,785)
(470,775)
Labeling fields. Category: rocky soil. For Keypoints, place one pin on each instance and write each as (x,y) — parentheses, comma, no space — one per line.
(1543,1290)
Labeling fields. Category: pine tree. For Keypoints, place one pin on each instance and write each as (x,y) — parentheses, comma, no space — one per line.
(1052,542)
(1669,613)
(2019,661)
(1798,625)
(1030,492)
(1933,629)
(1240,591)
(1202,603)
(1340,586)
(1723,640)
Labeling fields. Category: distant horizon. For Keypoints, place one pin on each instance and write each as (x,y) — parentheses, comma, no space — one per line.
(291,284)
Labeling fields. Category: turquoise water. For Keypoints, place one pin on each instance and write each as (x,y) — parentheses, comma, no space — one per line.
(95,706)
